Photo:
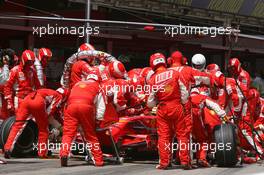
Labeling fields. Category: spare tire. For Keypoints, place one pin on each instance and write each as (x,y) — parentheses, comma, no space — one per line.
(226,145)
(25,143)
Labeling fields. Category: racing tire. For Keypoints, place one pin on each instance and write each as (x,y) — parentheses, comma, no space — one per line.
(24,146)
(3,135)
(226,145)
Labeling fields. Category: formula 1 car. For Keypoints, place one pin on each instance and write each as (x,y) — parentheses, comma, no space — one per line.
(132,134)
(122,138)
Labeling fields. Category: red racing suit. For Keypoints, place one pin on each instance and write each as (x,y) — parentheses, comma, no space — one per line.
(20,83)
(137,79)
(241,111)
(259,123)
(110,115)
(119,96)
(169,92)
(116,91)
(203,120)
(4,75)
(191,77)
(85,97)
(40,104)
(79,72)
(3,104)
(220,96)
(259,119)
(244,81)
(134,73)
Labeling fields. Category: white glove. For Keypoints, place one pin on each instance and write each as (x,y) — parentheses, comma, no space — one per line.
(261,127)
(154,110)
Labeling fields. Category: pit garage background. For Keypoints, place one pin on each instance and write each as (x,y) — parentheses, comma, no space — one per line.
(132,44)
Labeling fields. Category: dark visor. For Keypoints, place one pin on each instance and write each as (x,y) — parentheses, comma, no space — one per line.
(198,66)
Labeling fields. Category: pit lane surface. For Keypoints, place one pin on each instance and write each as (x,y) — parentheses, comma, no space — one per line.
(34,166)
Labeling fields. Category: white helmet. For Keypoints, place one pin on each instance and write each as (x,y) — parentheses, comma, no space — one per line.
(198,61)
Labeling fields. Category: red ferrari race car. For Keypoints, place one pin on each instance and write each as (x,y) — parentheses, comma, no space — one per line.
(122,138)
(125,138)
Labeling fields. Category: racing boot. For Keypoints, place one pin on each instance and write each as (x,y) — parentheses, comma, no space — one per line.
(203,163)
(2,161)
(64,161)
(99,164)
(7,154)
(43,157)
(160,167)
(187,166)
(249,160)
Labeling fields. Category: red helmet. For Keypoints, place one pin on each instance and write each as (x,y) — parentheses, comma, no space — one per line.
(157,60)
(212,67)
(146,72)
(177,57)
(218,78)
(44,53)
(85,46)
(117,70)
(253,94)
(28,57)
(234,66)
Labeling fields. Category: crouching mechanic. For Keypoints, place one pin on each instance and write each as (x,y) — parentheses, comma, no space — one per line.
(168,89)
(257,110)
(40,104)
(259,123)
(84,98)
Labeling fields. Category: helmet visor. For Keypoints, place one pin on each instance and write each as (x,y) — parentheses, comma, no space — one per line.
(29,63)
(198,66)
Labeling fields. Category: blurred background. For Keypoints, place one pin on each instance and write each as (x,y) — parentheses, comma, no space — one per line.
(131,43)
